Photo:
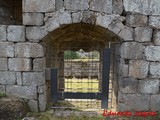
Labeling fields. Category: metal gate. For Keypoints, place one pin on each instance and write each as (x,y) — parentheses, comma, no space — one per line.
(57,94)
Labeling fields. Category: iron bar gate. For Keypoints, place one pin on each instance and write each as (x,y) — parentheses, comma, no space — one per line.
(102,95)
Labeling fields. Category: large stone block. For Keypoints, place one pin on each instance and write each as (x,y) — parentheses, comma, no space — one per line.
(43,101)
(116,27)
(19,78)
(19,64)
(38,64)
(143,34)
(3,64)
(127,34)
(128,85)
(76,17)
(136,20)
(29,50)
(3,33)
(133,102)
(155,102)
(38,6)
(101,6)
(27,92)
(2,89)
(64,17)
(33,18)
(154,21)
(156,37)
(76,4)
(148,86)
(147,7)
(154,70)
(7,49)
(16,33)
(117,6)
(35,33)
(33,78)
(33,105)
(59,4)
(138,69)
(152,53)
(7,78)
(132,50)
(123,70)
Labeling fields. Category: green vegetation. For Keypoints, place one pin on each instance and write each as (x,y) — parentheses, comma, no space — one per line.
(71,55)
(3,95)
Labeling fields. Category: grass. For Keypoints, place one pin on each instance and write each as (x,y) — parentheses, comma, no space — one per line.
(3,95)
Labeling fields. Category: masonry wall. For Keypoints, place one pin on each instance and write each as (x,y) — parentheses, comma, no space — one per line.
(134,22)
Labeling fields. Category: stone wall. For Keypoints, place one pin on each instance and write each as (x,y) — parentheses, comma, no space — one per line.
(46,24)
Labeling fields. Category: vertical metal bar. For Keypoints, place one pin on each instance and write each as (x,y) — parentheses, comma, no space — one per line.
(105,77)
(54,85)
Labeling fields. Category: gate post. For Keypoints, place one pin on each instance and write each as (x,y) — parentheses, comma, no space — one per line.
(105,77)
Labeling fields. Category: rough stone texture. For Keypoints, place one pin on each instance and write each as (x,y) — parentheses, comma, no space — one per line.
(43,101)
(152,53)
(116,27)
(148,86)
(33,78)
(38,64)
(19,64)
(101,6)
(58,4)
(19,78)
(128,85)
(33,105)
(38,6)
(12,108)
(27,92)
(147,7)
(76,4)
(7,49)
(156,38)
(3,33)
(3,64)
(35,33)
(133,102)
(127,34)
(2,89)
(16,33)
(117,6)
(29,50)
(143,34)
(76,17)
(154,70)
(154,21)
(33,18)
(138,69)
(123,70)
(155,102)
(136,20)
(41,89)
(7,78)
(64,17)
(132,50)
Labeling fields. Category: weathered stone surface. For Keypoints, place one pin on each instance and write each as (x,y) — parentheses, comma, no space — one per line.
(35,33)
(64,17)
(132,50)
(7,78)
(133,102)
(154,70)
(58,4)
(38,6)
(19,64)
(89,17)
(76,4)
(33,105)
(29,50)
(147,7)
(138,69)
(155,102)
(127,34)
(143,34)
(148,86)
(2,89)
(117,6)
(19,78)
(42,99)
(128,85)
(101,6)
(136,20)
(3,64)
(33,18)
(16,33)
(156,38)
(154,21)
(38,64)
(41,89)
(3,33)
(76,17)
(152,53)
(116,27)
(7,49)
(123,70)
(33,78)
(28,92)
